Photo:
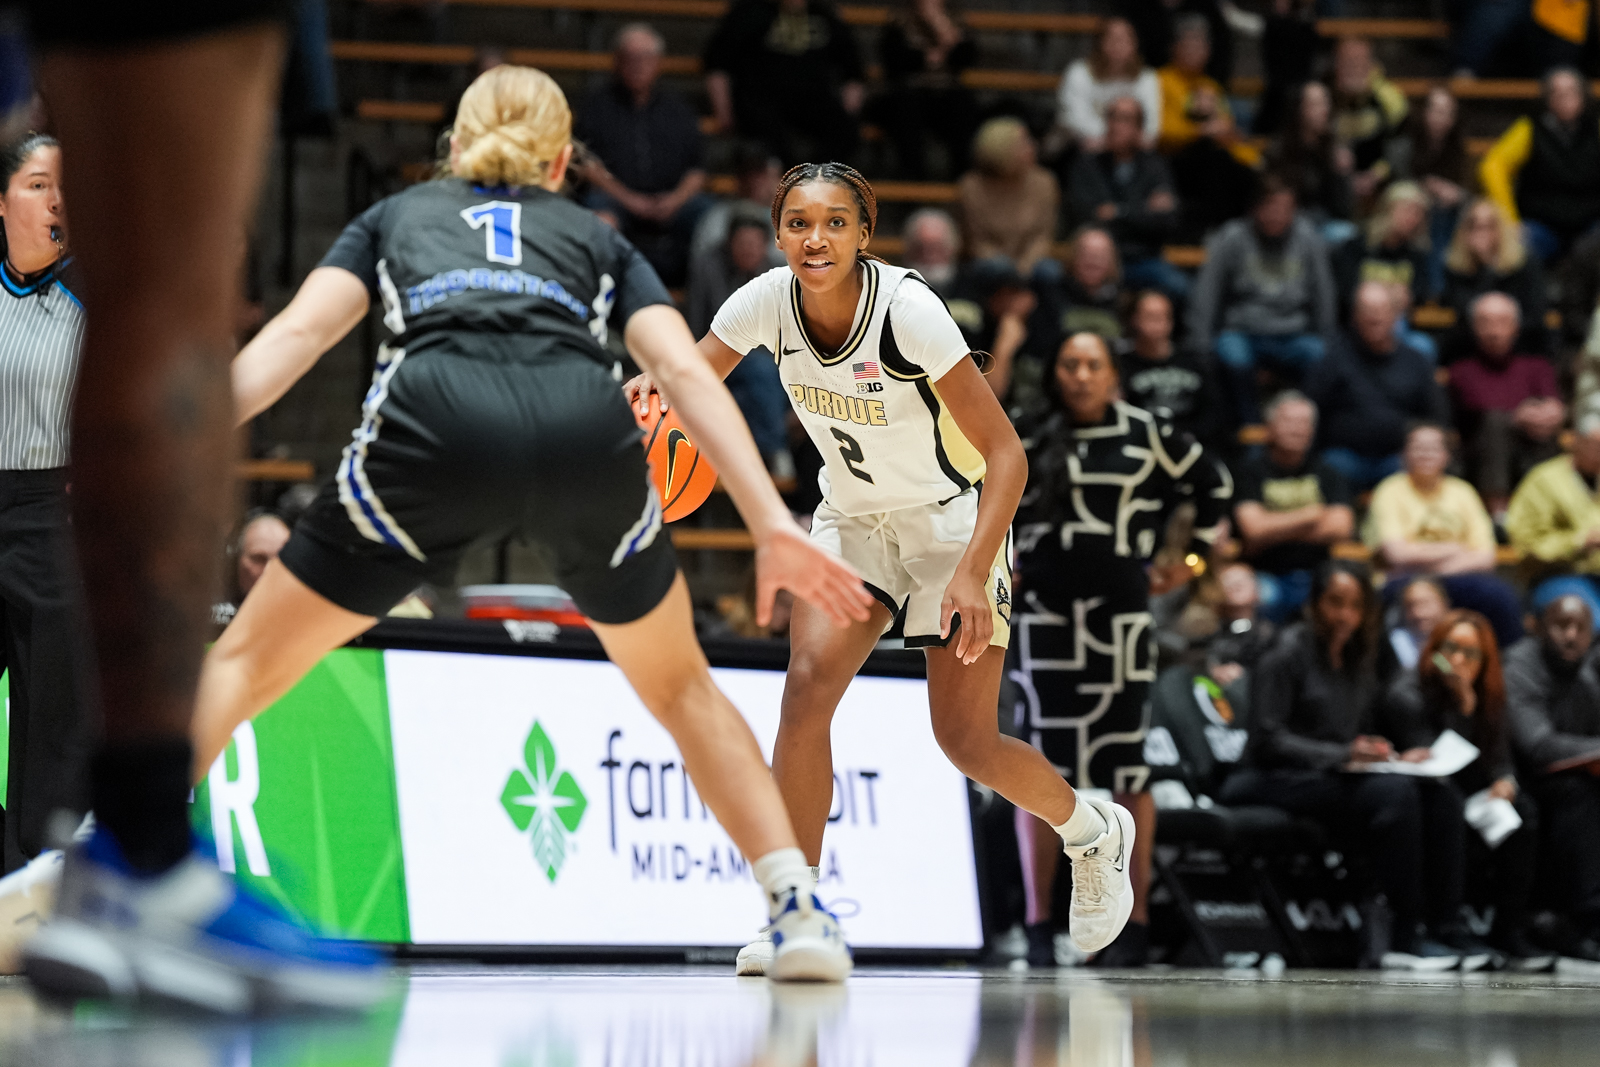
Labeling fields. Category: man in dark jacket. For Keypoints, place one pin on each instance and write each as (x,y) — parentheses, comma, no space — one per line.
(1553,704)
(787,73)
(1368,389)
(1128,190)
(649,178)
(1165,379)
(1546,170)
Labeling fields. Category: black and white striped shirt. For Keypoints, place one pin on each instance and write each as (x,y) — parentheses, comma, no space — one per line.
(41,334)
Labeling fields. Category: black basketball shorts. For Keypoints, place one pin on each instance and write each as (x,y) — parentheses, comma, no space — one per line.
(456,449)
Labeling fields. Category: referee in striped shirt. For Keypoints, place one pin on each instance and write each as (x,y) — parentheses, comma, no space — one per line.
(41,633)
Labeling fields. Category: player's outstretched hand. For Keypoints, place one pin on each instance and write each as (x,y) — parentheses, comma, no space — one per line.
(787,559)
(966,596)
(638,390)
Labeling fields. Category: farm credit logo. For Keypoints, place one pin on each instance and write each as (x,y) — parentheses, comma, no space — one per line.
(551,804)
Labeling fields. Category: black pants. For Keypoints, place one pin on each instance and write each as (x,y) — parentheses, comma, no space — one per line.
(42,644)
(1411,831)
(1570,805)
(1510,868)
(914,117)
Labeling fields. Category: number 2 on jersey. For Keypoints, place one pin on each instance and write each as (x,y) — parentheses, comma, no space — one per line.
(851,451)
(501,221)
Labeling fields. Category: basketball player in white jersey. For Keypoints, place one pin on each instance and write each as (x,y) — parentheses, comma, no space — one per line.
(883,382)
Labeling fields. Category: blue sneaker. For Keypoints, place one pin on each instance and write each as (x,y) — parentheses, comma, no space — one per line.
(807,944)
(190,937)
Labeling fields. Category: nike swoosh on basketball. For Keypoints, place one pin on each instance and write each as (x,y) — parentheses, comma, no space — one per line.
(675,437)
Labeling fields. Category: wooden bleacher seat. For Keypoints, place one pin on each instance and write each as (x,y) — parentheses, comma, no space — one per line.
(1434,317)
(1063,23)
(274,470)
(1253,434)
(729,540)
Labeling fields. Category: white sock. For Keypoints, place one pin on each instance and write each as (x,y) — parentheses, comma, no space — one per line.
(1083,827)
(816,876)
(781,870)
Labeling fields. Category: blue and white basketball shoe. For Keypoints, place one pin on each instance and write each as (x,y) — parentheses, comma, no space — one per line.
(189,937)
(807,944)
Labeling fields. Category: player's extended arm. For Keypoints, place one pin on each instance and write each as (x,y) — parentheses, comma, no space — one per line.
(721,358)
(329,304)
(981,419)
(660,340)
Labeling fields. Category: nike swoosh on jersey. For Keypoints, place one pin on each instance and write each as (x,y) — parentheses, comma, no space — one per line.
(792,351)
(675,437)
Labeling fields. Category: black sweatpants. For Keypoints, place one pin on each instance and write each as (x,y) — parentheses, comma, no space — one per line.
(1412,831)
(43,645)
(1569,803)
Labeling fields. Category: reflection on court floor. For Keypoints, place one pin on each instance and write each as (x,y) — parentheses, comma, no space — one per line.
(467,1016)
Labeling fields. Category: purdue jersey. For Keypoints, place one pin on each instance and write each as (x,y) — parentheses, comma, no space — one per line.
(872,408)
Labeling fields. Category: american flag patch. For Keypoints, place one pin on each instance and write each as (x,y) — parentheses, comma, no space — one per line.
(869,369)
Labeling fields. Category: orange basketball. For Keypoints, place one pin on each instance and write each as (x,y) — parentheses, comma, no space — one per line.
(683,477)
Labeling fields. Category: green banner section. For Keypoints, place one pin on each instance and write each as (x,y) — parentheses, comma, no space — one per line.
(5,733)
(306,800)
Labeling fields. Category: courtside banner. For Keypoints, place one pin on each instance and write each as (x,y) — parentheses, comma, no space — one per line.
(540,804)
(459,798)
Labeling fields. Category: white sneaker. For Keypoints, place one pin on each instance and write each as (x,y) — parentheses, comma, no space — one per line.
(756,956)
(807,945)
(1102,891)
(27,897)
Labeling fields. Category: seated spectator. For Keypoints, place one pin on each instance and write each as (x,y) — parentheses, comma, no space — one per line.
(1423,521)
(754,383)
(1289,506)
(1089,296)
(1009,204)
(1371,386)
(1175,383)
(1545,171)
(1289,48)
(924,49)
(1487,254)
(262,535)
(933,248)
(1368,113)
(787,73)
(1128,190)
(1213,623)
(1553,703)
(1434,153)
(1423,604)
(1113,70)
(1506,403)
(992,310)
(1157,24)
(1393,250)
(1313,162)
(1313,708)
(1554,520)
(1458,686)
(757,171)
(1264,296)
(650,178)
(1210,160)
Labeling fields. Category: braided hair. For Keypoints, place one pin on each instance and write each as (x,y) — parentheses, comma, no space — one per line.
(845,177)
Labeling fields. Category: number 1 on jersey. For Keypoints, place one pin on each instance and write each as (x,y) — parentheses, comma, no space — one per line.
(502,222)
(851,451)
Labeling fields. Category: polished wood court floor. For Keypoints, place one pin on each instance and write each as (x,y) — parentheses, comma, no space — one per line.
(520,1016)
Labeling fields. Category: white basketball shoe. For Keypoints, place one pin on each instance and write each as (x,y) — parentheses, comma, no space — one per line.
(1102,890)
(807,944)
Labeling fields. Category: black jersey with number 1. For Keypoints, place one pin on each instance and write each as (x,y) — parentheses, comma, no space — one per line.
(450,256)
(493,407)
